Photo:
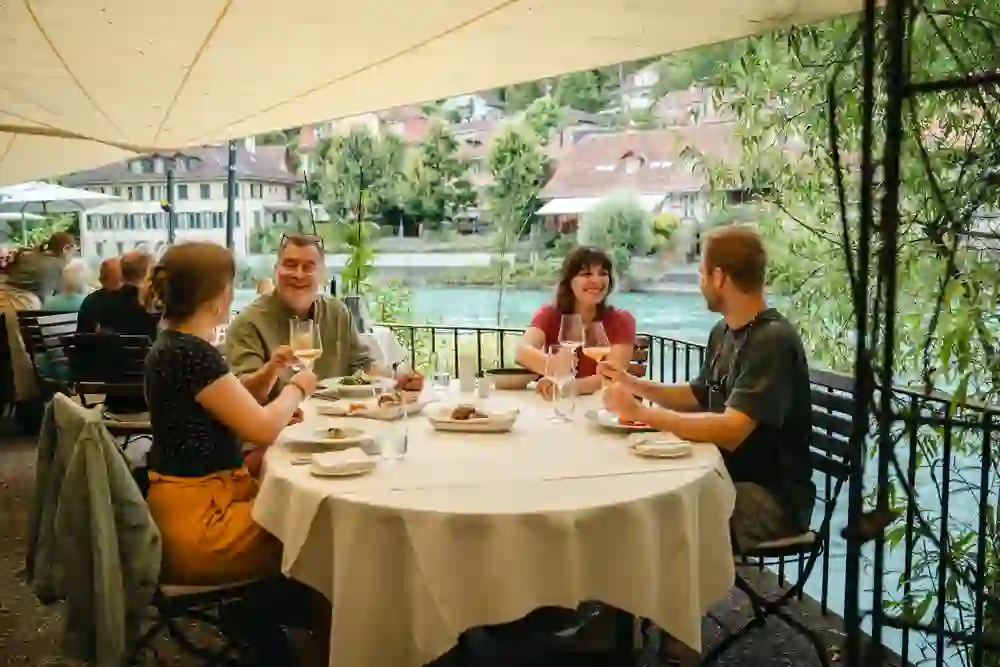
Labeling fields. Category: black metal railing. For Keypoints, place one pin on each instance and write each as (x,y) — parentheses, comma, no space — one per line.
(938,461)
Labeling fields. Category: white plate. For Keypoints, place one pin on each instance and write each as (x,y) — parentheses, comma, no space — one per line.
(609,420)
(360,390)
(352,469)
(652,438)
(352,436)
(496,422)
(370,408)
(674,450)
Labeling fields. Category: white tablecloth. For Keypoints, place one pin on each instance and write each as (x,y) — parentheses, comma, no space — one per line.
(474,529)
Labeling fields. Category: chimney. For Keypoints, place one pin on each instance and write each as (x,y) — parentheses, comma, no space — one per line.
(250,143)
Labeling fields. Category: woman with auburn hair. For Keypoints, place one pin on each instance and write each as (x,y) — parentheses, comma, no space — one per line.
(585,282)
(28,278)
(201,493)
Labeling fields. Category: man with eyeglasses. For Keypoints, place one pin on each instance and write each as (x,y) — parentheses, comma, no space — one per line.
(751,398)
(257,341)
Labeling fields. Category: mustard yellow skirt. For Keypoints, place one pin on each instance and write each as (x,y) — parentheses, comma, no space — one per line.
(209,537)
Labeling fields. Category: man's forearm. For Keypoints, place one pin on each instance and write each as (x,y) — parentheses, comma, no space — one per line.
(716,428)
(678,397)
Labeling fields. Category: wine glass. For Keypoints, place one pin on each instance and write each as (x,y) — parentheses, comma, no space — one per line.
(571,332)
(303,338)
(559,371)
(596,344)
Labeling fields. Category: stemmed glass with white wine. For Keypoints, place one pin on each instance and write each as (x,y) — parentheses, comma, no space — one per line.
(305,342)
(559,370)
(596,344)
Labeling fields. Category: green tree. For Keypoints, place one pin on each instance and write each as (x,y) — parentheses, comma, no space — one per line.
(519,169)
(783,86)
(589,90)
(543,116)
(619,223)
(346,164)
(519,96)
(437,189)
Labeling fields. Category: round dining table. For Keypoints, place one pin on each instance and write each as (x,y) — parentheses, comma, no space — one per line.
(473,529)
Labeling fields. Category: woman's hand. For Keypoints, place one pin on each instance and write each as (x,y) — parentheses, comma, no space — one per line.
(297,417)
(546,388)
(306,381)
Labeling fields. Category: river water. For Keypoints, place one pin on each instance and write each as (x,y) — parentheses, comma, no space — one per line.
(682,317)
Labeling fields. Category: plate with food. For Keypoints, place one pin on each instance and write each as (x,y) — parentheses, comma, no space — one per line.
(471,419)
(611,421)
(358,385)
(383,407)
(339,435)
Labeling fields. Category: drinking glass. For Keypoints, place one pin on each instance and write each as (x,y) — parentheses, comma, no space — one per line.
(440,377)
(395,440)
(596,344)
(571,332)
(303,338)
(559,371)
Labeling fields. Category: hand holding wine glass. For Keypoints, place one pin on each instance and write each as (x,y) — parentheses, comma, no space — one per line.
(596,344)
(305,341)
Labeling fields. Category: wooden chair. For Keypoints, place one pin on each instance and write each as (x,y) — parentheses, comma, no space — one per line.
(832,409)
(640,356)
(53,334)
(109,368)
(57,325)
(7,391)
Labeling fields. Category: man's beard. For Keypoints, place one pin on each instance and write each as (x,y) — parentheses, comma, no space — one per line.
(713,302)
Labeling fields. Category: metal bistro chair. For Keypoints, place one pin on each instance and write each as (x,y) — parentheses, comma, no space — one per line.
(832,407)
(112,366)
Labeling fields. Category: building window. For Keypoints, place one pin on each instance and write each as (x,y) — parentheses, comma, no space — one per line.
(236,221)
(138,193)
(154,192)
(121,248)
(288,193)
(225,190)
(206,190)
(116,191)
(182,191)
(256,218)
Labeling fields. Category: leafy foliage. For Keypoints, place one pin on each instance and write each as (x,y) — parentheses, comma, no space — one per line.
(543,116)
(358,160)
(589,90)
(792,91)
(437,189)
(619,223)
(519,168)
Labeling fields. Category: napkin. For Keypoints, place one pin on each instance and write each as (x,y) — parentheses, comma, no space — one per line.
(658,438)
(347,459)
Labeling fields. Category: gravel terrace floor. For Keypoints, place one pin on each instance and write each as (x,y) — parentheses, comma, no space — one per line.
(29,632)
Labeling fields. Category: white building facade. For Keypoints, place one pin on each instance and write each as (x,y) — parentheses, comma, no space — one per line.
(265,193)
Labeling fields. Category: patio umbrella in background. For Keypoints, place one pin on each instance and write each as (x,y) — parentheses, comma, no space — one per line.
(41,198)
(85,84)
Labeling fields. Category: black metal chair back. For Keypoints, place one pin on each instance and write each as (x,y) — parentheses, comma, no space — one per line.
(110,365)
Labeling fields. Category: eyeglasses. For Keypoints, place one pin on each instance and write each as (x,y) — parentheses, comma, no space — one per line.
(717,386)
(298,239)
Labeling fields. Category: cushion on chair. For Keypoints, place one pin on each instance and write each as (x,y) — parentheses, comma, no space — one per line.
(795,544)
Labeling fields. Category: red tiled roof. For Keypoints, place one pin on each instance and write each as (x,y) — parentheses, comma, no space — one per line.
(596,164)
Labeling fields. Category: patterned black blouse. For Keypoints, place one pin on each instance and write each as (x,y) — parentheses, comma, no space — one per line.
(187,440)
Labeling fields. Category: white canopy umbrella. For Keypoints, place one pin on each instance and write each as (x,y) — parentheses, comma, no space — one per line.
(84,83)
(41,198)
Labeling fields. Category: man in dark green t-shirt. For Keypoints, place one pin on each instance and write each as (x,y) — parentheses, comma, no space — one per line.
(751,398)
